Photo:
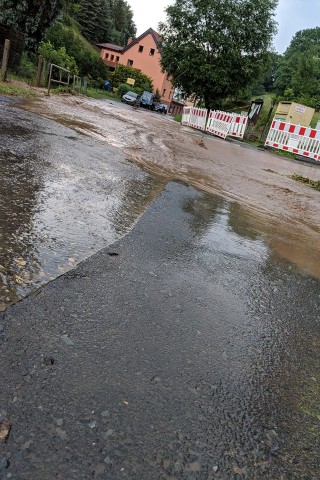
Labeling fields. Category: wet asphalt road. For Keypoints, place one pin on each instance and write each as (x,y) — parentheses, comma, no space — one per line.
(63,196)
(186,350)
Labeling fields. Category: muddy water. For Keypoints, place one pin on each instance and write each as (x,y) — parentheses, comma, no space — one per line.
(63,196)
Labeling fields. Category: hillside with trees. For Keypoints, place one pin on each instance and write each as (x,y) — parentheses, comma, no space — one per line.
(298,74)
(66,32)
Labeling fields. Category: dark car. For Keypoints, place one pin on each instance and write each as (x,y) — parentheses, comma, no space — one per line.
(130,98)
(146,100)
(161,108)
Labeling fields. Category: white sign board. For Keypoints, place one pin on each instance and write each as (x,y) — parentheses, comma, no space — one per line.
(300,109)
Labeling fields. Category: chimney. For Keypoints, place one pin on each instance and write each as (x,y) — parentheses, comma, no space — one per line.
(130,40)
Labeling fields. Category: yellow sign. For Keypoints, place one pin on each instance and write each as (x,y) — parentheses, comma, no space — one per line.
(131,81)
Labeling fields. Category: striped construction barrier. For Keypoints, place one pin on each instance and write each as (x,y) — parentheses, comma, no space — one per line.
(219,123)
(304,141)
(198,118)
(238,126)
(223,124)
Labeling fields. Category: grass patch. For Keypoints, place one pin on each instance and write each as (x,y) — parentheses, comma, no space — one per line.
(307,181)
(15,90)
(178,118)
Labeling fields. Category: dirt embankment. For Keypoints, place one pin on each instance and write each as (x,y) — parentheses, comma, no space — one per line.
(285,212)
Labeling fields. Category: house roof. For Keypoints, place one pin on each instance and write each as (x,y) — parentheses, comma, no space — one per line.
(155,35)
(111,46)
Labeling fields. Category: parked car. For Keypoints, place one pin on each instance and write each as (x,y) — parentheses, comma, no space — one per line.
(146,100)
(129,98)
(161,108)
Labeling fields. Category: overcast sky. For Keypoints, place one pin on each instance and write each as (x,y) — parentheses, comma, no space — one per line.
(292,16)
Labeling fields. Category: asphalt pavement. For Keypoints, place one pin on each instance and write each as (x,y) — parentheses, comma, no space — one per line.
(185,350)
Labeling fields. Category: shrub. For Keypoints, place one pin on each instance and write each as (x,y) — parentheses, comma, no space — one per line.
(122,89)
(26,67)
(123,72)
(58,57)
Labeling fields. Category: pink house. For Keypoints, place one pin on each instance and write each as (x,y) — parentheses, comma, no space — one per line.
(144,54)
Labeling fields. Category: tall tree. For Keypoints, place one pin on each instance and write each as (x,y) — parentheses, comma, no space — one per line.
(106,20)
(94,17)
(299,68)
(31,18)
(215,48)
(124,26)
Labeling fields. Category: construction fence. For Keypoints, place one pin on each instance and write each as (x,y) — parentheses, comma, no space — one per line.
(218,123)
(303,141)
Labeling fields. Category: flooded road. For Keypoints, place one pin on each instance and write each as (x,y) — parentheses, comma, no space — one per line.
(187,349)
(63,196)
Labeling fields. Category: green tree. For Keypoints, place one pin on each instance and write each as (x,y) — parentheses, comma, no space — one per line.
(215,48)
(88,61)
(105,20)
(31,18)
(299,68)
(123,24)
(94,17)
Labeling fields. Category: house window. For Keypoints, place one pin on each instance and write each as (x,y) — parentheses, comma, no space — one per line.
(168,76)
(164,92)
(117,59)
(152,50)
(106,56)
(112,58)
(170,94)
(130,63)
(140,48)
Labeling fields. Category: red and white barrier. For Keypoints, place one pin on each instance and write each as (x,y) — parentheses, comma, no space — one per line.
(292,138)
(219,123)
(223,124)
(186,116)
(198,118)
(238,126)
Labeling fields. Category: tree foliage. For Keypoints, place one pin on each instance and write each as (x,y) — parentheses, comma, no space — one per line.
(298,74)
(105,20)
(31,18)
(216,48)
(87,59)
(100,20)
(58,57)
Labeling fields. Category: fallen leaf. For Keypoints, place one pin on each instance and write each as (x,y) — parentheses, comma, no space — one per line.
(125,402)
(20,262)
(5,428)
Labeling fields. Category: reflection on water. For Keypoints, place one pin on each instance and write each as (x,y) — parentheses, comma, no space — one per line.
(62,197)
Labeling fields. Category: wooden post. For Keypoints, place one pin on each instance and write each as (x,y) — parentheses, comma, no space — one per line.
(49,81)
(39,71)
(5,59)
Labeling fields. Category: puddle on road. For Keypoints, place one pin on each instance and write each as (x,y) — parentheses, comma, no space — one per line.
(60,200)
(63,196)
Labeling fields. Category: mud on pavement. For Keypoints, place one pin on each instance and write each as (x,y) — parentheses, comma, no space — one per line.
(284,211)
